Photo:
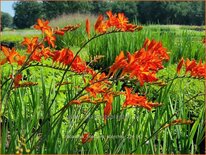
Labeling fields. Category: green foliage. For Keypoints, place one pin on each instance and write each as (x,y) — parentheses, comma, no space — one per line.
(54,9)
(133,130)
(187,13)
(6,20)
(26,13)
(129,8)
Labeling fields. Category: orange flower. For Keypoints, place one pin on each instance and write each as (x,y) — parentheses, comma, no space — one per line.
(30,43)
(64,56)
(179,66)
(82,99)
(46,52)
(95,89)
(136,100)
(51,40)
(119,63)
(98,22)
(113,21)
(36,56)
(143,64)
(190,65)
(66,29)
(78,65)
(45,28)
(20,59)
(86,138)
(59,32)
(108,108)
(17,79)
(42,25)
(99,84)
(197,70)
(133,99)
(102,28)
(12,56)
(49,37)
(88,28)
(122,22)
(117,21)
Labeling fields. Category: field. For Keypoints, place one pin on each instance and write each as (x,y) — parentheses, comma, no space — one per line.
(38,119)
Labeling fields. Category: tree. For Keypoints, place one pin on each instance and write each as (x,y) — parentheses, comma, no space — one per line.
(26,13)
(189,13)
(53,9)
(6,20)
(129,8)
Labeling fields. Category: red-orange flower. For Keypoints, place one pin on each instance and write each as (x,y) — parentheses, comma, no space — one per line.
(11,56)
(86,138)
(119,63)
(112,19)
(122,22)
(108,97)
(190,65)
(66,29)
(88,28)
(30,43)
(98,22)
(197,70)
(82,99)
(179,66)
(143,64)
(99,84)
(20,59)
(17,79)
(117,22)
(42,25)
(36,56)
(64,56)
(46,52)
(136,100)
(45,28)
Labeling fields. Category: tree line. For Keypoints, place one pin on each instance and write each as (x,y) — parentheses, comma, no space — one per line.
(185,13)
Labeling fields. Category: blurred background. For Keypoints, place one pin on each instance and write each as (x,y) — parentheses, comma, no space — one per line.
(19,14)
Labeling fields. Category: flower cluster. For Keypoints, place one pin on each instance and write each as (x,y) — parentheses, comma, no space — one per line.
(49,33)
(36,49)
(117,21)
(11,56)
(66,57)
(137,101)
(143,64)
(197,70)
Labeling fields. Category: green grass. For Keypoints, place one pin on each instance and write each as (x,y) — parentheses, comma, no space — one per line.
(17,36)
(136,130)
(181,41)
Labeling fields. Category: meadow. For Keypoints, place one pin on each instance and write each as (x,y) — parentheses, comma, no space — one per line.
(37,118)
